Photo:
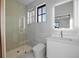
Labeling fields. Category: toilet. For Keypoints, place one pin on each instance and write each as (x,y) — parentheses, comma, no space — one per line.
(39,50)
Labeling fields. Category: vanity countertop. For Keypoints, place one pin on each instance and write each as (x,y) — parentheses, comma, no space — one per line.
(64,40)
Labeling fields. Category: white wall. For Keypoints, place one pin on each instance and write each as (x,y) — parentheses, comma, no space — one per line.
(67,33)
(39,31)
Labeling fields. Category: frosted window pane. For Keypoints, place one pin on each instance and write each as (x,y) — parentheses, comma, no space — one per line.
(39,11)
(39,18)
(32,13)
(28,18)
(44,9)
(44,17)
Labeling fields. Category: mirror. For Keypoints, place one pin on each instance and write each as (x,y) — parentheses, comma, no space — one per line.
(63,15)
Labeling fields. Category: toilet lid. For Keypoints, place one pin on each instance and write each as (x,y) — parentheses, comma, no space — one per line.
(39,47)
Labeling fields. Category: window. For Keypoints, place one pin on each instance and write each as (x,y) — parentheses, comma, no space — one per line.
(30,17)
(41,13)
(22,23)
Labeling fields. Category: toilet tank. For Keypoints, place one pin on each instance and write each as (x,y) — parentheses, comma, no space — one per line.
(39,50)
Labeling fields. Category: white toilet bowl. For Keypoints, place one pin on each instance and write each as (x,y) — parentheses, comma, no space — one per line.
(39,50)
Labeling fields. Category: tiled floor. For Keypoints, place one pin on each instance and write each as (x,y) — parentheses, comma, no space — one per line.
(29,55)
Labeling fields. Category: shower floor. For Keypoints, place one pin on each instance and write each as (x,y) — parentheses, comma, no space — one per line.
(28,55)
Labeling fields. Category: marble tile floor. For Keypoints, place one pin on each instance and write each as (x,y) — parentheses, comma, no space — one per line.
(27,55)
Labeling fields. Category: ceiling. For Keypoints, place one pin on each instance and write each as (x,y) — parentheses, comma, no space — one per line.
(25,2)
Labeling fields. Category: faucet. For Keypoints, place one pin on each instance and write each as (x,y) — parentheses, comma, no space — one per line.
(61,34)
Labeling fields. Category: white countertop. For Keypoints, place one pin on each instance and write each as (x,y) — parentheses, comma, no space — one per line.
(64,40)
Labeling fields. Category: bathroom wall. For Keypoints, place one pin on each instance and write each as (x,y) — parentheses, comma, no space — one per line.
(37,31)
(40,31)
(14,38)
(67,33)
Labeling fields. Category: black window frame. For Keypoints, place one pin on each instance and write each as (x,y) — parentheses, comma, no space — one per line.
(42,6)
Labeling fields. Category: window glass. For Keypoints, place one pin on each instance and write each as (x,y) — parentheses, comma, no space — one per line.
(41,13)
(44,17)
(39,17)
(30,17)
(44,9)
